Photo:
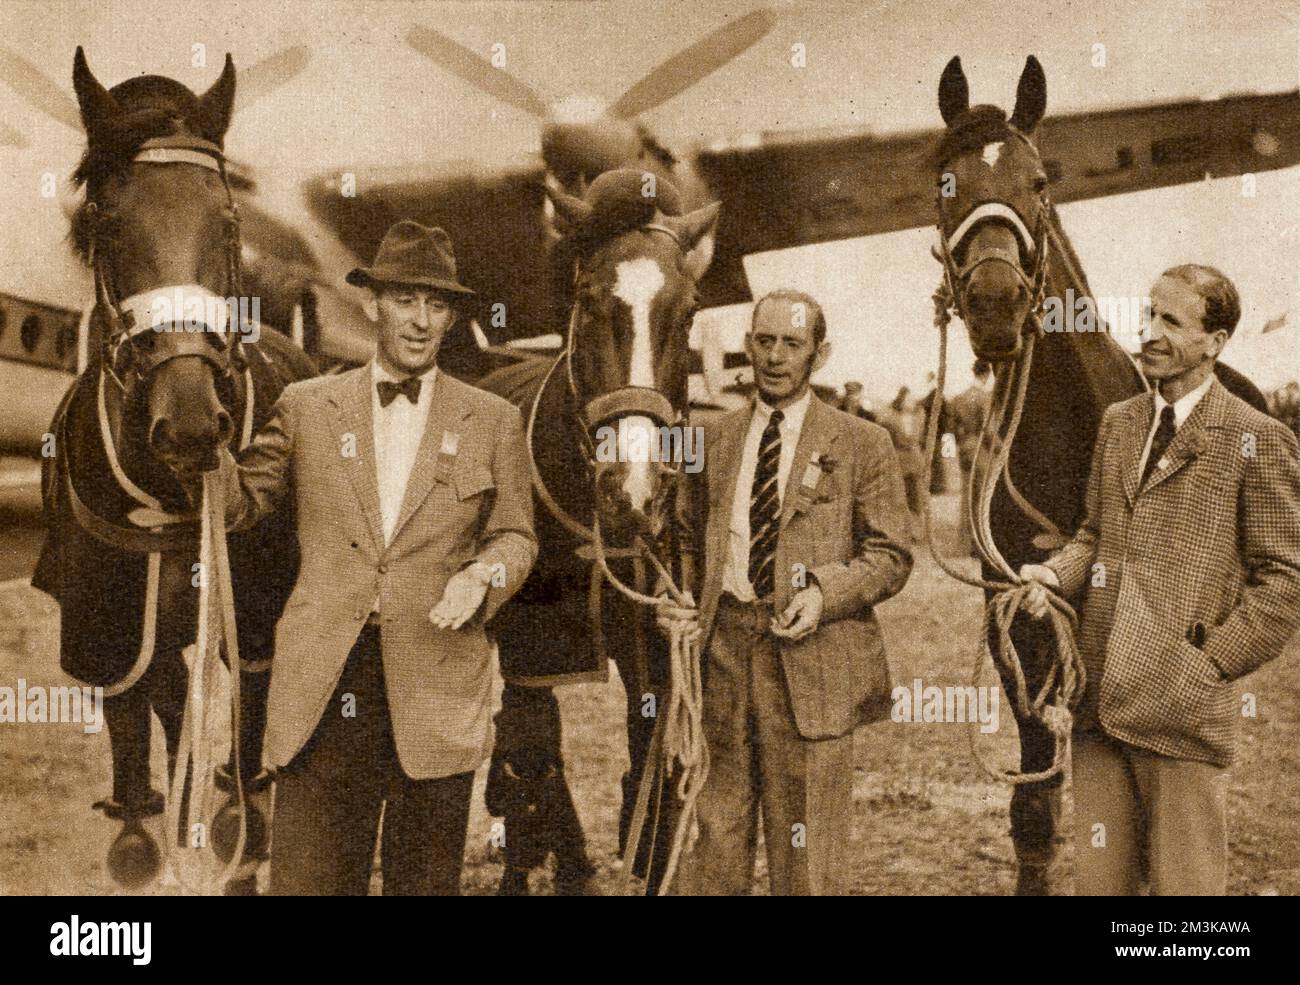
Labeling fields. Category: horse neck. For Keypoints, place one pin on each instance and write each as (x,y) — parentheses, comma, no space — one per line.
(1073,378)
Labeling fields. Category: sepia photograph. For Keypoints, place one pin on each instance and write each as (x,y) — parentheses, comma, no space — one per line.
(651,448)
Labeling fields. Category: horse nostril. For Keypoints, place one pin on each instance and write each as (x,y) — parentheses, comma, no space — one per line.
(160,435)
(225,427)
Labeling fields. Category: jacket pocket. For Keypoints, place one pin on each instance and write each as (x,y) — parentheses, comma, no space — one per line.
(471,482)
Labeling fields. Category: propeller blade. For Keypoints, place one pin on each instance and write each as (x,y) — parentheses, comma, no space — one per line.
(37,90)
(270,74)
(692,64)
(9,137)
(476,70)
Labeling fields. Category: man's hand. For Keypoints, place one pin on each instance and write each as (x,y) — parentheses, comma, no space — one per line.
(802,616)
(1040,578)
(670,617)
(464,593)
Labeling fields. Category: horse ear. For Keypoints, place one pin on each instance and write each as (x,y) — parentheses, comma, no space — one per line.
(1031,97)
(572,212)
(95,102)
(215,105)
(954,93)
(695,230)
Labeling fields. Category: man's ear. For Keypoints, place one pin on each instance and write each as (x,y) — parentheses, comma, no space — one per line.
(370,304)
(823,353)
(1221,340)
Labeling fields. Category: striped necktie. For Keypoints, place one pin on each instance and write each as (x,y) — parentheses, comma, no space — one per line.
(764,508)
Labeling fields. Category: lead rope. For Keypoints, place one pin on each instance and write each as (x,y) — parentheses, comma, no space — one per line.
(679,734)
(199,727)
(1065,681)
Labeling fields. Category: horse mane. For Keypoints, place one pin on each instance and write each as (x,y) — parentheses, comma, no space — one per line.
(152,106)
(978,126)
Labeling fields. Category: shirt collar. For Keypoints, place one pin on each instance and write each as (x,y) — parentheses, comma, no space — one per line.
(792,421)
(1185,404)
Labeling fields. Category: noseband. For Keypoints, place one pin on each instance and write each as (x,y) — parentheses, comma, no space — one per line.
(1033,244)
(129,318)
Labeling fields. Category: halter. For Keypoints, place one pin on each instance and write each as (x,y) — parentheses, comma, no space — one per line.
(1064,683)
(131,317)
(1032,243)
(624,401)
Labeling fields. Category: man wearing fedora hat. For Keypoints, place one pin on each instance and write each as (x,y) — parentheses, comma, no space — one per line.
(414,515)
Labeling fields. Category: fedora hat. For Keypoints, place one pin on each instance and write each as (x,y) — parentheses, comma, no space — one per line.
(413,254)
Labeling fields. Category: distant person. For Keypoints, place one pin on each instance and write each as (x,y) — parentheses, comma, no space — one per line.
(938,477)
(853,402)
(1188,561)
(966,413)
(896,419)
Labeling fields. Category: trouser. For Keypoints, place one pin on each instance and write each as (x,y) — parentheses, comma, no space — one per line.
(757,758)
(328,802)
(1138,812)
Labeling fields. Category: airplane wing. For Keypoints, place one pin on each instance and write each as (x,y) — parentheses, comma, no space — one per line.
(797,188)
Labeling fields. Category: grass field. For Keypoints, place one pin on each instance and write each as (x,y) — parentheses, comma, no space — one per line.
(927,821)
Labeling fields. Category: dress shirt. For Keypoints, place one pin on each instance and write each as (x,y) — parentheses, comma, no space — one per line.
(1183,408)
(398,430)
(735,576)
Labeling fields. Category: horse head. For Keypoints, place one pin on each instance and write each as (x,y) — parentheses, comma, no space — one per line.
(993,209)
(160,230)
(638,263)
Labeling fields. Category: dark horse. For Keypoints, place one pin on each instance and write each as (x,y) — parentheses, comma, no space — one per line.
(141,424)
(624,367)
(998,225)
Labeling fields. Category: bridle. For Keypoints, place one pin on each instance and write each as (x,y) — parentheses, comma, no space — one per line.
(624,401)
(1064,683)
(1032,242)
(130,318)
(677,736)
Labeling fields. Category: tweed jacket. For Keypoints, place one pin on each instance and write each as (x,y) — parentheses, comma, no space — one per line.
(847,532)
(473,505)
(1191,581)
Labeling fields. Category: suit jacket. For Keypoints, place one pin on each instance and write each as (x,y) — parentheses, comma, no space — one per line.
(475,505)
(848,533)
(1191,581)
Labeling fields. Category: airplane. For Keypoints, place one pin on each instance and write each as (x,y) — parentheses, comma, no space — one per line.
(779,189)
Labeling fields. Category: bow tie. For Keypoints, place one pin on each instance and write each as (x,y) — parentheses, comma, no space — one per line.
(389,390)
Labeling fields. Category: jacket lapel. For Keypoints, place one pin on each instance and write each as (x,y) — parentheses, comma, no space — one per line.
(814,439)
(445,414)
(1133,440)
(354,426)
(1189,440)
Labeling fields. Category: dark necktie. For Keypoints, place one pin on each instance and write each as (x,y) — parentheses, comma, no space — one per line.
(1164,435)
(764,508)
(389,390)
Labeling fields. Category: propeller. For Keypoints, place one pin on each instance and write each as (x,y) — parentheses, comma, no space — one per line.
(270,74)
(692,64)
(47,96)
(476,70)
(37,90)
